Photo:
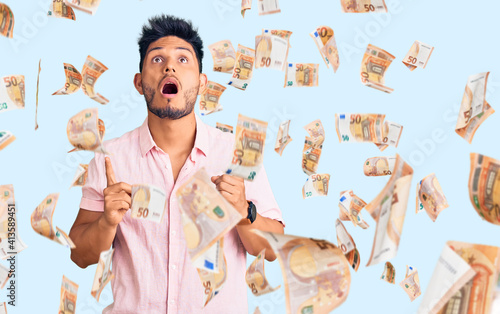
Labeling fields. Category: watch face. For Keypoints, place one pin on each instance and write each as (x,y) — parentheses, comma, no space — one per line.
(252,212)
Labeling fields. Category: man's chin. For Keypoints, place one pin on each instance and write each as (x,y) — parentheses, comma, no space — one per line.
(169,111)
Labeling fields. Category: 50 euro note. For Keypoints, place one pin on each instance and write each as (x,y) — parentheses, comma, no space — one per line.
(224,127)
(316,132)
(355,127)
(6,138)
(41,221)
(418,56)
(465,273)
(214,281)
(375,63)
(60,9)
(315,272)
(350,206)
(379,166)
(209,99)
(243,68)
(474,109)
(256,278)
(248,152)
(347,245)
(223,55)
(245,5)
(363,6)
(430,197)
(69,291)
(10,243)
(388,209)
(6,21)
(212,259)
(310,156)
(411,283)
(484,187)
(148,202)
(324,38)
(87,6)
(316,185)
(283,138)
(81,175)
(86,131)
(12,93)
(268,7)
(301,74)
(103,273)
(206,215)
(73,80)
(389,273)
(271,49)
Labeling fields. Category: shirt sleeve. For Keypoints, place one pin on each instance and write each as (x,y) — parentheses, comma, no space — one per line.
(260,193)
(92,191)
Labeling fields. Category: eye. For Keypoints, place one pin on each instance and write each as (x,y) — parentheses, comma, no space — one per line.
(157,60)
(183,59)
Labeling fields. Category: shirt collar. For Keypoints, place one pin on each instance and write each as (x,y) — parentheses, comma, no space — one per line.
(201,143)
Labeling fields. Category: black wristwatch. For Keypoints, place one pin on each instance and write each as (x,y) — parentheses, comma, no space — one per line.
(252,212)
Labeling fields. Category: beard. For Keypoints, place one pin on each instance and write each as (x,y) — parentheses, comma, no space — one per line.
(169,112)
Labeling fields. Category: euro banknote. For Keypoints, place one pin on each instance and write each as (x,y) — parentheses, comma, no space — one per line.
(6,21)
(60,9)
(264,6)
(224,127)
(103,274)
(243,68)
(347,245)
(388,209)
(213,281)
(87,6)
(271,49)
(321,36)
(283,138)
(255,276)
(301,75)
(363,6)
(248,152)
(209,99)
(12,93)
(350,206)
(211,260)
(430,197)
(411,283)
(474,109)
(223,55)
(374,65)
(86,131)
(315,272)
(81,175)
(37,88)
(484,187)
(310,156)
(41,221)
(379,166)
(316,185)
(206,215)
(316,132)
(148,202)
(6,138)
(10,242)
(418,56)
(69,291)
(389,273)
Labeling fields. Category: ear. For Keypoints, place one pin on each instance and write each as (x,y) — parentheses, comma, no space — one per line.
(203,83)
(138,83)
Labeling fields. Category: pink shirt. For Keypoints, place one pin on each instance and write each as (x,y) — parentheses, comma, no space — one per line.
(153,271)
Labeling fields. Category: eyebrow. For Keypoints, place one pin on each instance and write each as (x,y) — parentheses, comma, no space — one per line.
(177,48)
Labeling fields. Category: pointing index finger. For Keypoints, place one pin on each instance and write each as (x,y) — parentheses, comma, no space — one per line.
(110,174)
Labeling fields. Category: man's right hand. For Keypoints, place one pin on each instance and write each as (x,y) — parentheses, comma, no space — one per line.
(117,197)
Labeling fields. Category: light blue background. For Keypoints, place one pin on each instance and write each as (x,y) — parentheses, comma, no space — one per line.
(425,101)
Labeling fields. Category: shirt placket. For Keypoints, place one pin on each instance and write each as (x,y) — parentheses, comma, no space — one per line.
(175,250)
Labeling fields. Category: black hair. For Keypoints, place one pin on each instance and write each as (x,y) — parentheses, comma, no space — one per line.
(167,25)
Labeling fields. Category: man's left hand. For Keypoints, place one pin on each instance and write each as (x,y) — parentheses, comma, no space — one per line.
(233,190)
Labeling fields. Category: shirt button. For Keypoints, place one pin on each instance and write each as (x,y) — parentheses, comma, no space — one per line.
(174,232)
(173,267)
(172,302)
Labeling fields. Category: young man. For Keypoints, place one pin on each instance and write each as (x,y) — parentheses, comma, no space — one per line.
(153,271)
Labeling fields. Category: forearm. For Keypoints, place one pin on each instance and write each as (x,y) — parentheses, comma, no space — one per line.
(90,240)
(252,242)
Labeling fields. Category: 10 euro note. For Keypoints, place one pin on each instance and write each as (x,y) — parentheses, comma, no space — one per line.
(474,109)
(374,65)
(223,55)
(12,93)
(103,274)
(148,202)
(209,98)
(243,68)
(315,272)
(41,221)
(363,6)
(418,56)
(316,185)
(430,197)
(86,131)
(248,152)
(256,278)
(301,75)
(206,215)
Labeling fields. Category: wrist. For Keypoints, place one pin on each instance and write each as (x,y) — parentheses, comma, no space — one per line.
(105,225)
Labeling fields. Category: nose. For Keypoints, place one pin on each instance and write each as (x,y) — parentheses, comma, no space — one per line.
(170,66)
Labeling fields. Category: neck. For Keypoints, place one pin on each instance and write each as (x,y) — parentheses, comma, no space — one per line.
(173,136)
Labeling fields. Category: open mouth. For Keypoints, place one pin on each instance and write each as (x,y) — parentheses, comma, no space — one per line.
(169,88)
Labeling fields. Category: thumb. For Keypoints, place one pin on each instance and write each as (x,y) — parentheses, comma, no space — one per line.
(214,178)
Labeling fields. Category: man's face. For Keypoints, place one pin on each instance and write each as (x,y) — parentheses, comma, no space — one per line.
(170,79)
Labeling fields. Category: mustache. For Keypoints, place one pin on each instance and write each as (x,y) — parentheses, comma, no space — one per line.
(169,75)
